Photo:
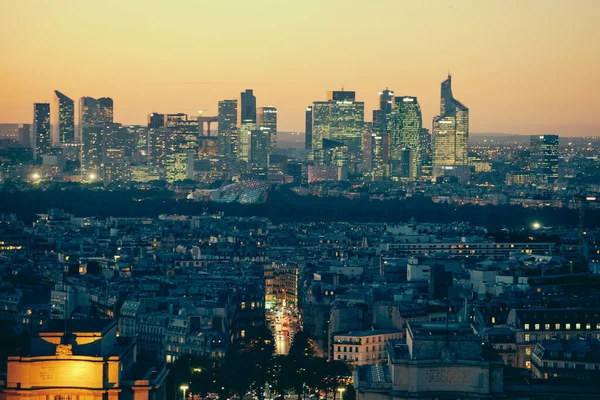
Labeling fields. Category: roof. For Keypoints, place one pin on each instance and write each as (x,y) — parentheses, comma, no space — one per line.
(79,326)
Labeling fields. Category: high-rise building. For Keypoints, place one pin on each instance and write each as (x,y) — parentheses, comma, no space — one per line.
(404,124)
(377,155)
(63,118)
(160,143)
(156,120)
(450,134)
(266,117)
(95,111)
(243,141)
(309,129)
(228,113)
(340,118)
(544,158)
(385,108)
(259,152)
(41,140)
(247,107)
(426,152)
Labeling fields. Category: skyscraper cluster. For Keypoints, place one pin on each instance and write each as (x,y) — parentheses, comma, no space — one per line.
(395,146)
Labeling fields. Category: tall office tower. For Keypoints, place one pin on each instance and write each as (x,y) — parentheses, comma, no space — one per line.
(260,142)
(41,136)
(184,132)
(266,117)
(544,158)
(308,130)
(450,135)
(404,124)
(63,118)
(95,111)
(247,107)
(378,150)
(24,134)
(96,141)
(159,147)
(425,140)
(228,113)
(340,118)
(156,121)
(385,108)
(243,141)
(331,162)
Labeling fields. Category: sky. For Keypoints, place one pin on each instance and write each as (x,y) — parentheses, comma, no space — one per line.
(523,67)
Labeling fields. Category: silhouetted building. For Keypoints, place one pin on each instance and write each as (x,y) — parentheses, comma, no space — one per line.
(380,116)
(228,114)
(267,120)
(544,158)
(308,128)
(247,107)
(42,140)
(63,118)
(156,121)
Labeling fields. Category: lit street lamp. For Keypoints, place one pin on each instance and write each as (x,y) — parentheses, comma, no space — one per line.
(183,389)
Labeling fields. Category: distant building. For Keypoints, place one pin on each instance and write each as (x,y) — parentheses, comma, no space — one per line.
(228,114)
(41,140)
(450,138)
(267,119)
(63,118)
(544,158)
(380,116)
(156,121)
(308,128)
(259,152)
(404,124)
(88,361)
(247,112)
(340,118)
(575,359)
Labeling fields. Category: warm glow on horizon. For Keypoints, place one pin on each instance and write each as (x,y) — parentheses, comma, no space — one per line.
(520,66)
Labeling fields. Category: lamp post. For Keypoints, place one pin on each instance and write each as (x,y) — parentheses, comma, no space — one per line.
(183,389)
(341,390)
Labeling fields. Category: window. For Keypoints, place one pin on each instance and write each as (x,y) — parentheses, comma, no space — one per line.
(527,337)
(567,326)
(339,348)
(528,364)
(577,326)
(356,349)
(537,327)
(528,351)
(350,349)
(557,326)
(588,326)
(547,327)
(526,327)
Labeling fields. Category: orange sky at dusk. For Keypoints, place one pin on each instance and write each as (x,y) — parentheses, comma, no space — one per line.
(521,66)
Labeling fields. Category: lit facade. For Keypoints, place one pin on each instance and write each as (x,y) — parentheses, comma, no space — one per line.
(380,117)
(267,119)
(364,347)
(90,362)
(259,152)
(42,140)
(341,119)
(63,118)
(544,158)
(404,124)
(228,114)
(450,133)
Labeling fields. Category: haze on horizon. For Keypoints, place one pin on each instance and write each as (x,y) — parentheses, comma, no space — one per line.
(520,66)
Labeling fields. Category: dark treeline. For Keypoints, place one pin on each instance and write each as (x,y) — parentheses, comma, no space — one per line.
(283,206)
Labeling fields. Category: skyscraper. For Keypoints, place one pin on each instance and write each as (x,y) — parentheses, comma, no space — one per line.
(450,134)
(259,152)
(156,121)
(247,107)
(41,140)
(63,118)
(95,111)
(340,118)
(267,118)
(385,108)
(228,113)
(544,158)
(309,129)
(404,123)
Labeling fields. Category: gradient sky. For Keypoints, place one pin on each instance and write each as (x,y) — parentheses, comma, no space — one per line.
(521,66)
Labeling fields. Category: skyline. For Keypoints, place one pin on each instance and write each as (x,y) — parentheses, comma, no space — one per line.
(518,73)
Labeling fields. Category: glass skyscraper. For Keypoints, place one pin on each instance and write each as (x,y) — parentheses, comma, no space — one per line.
(308,133)
(543,151)
(385,108)
(247,107)
(450,133)
(64,118)
(404,124)
(267,119)
(228,114)
(340,118)
(41,141)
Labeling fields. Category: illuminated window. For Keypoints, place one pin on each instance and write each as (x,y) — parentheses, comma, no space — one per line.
(527,337)
(567,326)
(493,320)
(547,326)
(557,326)
(526,327)
(588,326)
(537,327)
(528,351)
(528,364)
(577,326)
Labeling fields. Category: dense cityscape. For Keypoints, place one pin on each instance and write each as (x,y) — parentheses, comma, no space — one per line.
(210,254)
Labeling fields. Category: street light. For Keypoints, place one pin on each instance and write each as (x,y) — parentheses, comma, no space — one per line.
(183,389)
(341,390)
(536,225)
